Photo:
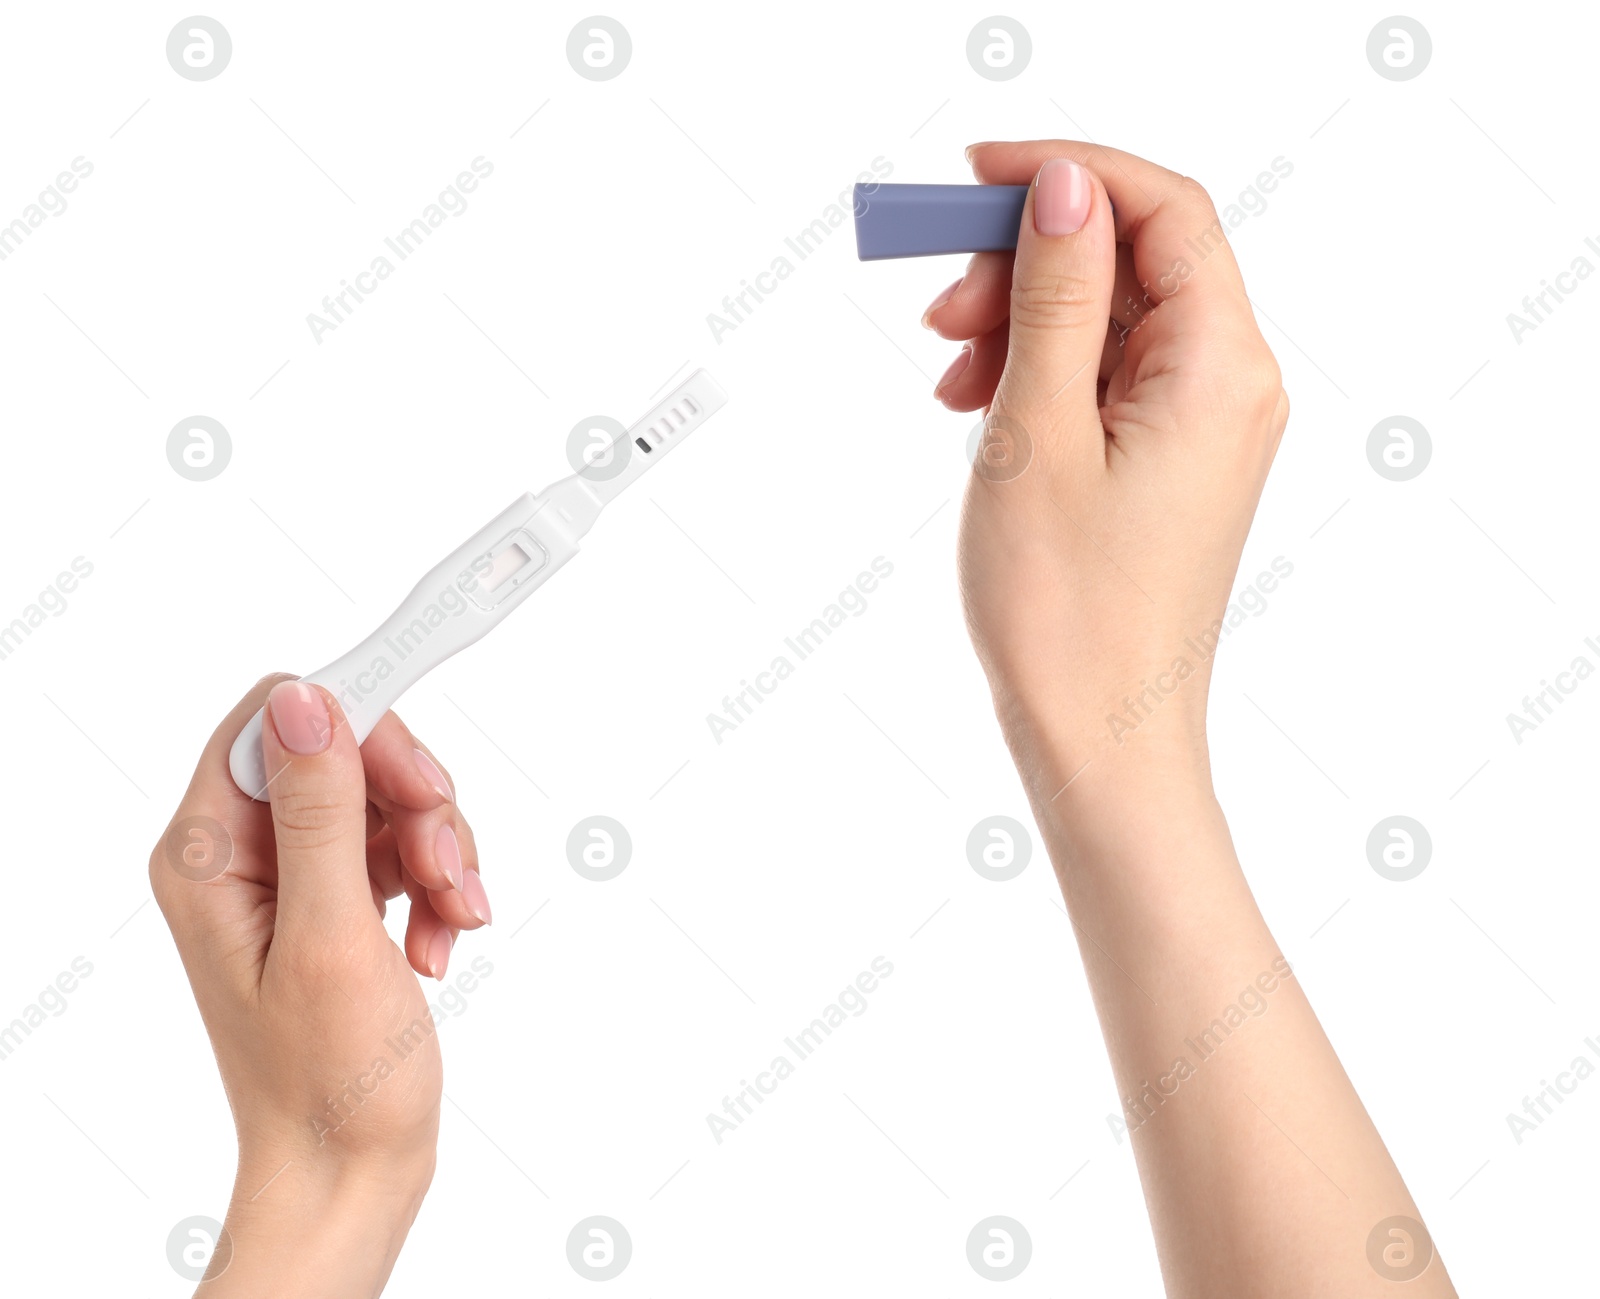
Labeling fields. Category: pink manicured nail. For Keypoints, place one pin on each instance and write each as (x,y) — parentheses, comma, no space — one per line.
(939,302)
(1061,200)
(439,948)
(447,852)
(300,717)
(431,773)
(476,899)
(962,361)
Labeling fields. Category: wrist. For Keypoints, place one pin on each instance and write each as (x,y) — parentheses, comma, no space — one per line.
(316,1227)
(1136,801)
(1062,752)
(1147,827)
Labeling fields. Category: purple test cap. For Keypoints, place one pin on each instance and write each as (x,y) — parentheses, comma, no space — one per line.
(926,220)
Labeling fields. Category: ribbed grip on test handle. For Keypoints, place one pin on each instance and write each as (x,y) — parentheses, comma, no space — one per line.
(663,427)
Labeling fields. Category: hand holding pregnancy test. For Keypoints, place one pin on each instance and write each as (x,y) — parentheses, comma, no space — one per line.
(473,588)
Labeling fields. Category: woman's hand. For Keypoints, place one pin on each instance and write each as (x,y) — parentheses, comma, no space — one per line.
(324,1039)
(1134,412)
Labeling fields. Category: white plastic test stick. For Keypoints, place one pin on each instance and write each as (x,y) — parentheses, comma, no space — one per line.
(487,576)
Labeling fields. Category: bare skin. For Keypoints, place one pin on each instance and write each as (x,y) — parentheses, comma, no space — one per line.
(1134,411)
(322,1033)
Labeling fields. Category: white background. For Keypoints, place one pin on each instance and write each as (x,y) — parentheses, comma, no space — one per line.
(828,829)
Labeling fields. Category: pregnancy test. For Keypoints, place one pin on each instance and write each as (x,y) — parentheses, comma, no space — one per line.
(473,588)
(925,220)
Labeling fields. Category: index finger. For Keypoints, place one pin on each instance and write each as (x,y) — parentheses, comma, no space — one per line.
(401,773)
(1180,249)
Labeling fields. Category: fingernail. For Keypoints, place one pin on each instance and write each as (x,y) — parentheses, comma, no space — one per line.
(962,361)
(476,899)
(1061,200)
(300,717)
(431,773)
(447,852)
(973,148)
(439,948)
(939,302)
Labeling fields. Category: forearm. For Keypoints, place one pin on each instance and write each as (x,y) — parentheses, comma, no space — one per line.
(1262,1171)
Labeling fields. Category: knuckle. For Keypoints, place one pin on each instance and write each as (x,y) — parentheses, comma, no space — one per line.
(311,818)
(1189,197)
(1249,383)
(1053,302)
(1280,415)
(1264,378)
(1193,193)
(159,873)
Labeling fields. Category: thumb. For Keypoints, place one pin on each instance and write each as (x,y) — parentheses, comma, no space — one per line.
(1061,289)
(318,790)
